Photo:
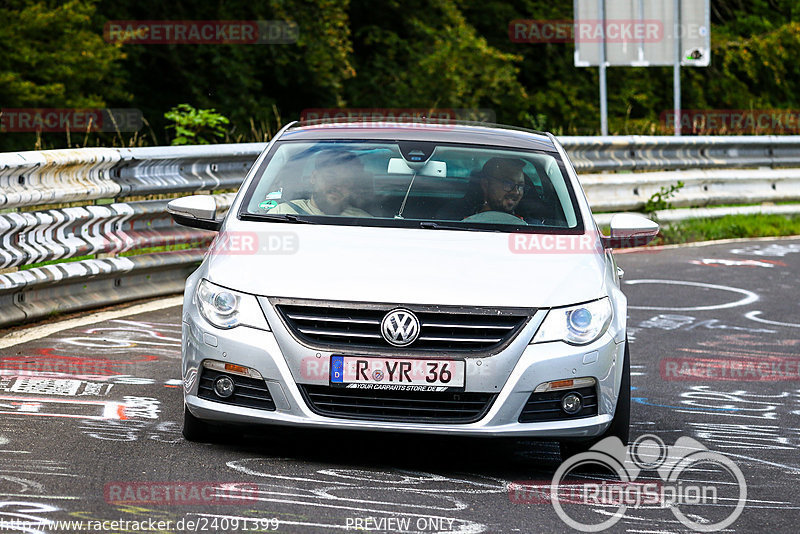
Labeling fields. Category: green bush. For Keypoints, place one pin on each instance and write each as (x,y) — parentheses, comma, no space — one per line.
(196,126)
(660,200)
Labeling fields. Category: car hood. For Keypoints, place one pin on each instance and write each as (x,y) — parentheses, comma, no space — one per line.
(404,266)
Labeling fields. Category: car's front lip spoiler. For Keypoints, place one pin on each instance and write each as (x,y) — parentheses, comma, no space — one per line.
(224,413)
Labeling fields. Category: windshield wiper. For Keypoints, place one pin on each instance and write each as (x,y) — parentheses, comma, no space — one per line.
(430,225)
(288,217)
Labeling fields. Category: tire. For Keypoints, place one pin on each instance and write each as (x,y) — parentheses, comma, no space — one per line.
(621,424)
(195,429)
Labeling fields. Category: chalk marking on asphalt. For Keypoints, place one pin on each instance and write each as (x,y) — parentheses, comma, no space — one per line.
(40,473)
(749,298)
(759,460)
(781,507)
(61,497)
(325,493)
(38,332)
(26,484)
(324,498)
(694,244)
(734,352)
(753,317)
(412,477)
(236,466)
(721,262)
(643,400)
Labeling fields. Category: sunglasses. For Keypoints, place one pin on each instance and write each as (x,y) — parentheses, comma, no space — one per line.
(509,186)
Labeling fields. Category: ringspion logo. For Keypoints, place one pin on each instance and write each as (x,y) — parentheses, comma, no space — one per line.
(721,490)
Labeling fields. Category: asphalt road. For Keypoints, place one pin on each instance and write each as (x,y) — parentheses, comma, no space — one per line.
(715,341)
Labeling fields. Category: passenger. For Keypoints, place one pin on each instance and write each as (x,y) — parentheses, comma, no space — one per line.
(503,185)
(333,183)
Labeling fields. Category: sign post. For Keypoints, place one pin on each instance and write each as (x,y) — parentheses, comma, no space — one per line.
(676,69)
(602,75)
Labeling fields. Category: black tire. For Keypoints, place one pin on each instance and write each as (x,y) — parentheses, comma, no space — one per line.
(195,429)
(621,424)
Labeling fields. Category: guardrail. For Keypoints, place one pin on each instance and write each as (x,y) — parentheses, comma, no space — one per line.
(649,153)
(613,192)
(58,176)
(107,243)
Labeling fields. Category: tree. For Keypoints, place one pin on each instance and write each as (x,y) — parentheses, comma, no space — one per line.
(243,82)
(424,53)
(53,56)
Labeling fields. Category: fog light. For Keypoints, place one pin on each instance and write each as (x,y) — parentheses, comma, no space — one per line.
(571,403)
(223,387)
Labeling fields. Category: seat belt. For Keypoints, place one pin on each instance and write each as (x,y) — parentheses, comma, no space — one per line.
(300,211)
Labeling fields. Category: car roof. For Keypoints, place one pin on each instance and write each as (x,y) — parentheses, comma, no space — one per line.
(447,132)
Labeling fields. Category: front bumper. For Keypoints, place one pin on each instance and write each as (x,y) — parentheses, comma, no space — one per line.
(528,366)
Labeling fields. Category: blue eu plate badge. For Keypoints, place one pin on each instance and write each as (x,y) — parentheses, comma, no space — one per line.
(337,369)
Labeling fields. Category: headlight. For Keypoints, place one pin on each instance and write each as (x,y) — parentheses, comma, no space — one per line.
(576,325)
(225,308)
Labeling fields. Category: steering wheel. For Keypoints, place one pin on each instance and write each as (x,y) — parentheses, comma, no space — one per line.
(494,217)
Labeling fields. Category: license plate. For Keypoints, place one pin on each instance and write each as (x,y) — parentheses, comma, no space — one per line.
(391,373)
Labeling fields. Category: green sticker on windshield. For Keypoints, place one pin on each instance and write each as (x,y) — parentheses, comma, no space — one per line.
(268,204)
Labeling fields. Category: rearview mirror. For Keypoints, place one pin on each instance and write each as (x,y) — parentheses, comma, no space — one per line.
(196,211)
(431,168)
(630,230)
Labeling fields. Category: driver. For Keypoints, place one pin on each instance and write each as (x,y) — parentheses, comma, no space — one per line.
(503,184)
(332,184)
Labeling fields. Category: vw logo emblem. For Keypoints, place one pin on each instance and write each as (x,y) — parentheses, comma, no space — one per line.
(400,327)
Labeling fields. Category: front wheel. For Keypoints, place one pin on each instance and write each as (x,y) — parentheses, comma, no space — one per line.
(620,425)
(195,429)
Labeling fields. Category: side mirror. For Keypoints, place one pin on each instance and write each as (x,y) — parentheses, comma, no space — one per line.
(629,230)
(196,211)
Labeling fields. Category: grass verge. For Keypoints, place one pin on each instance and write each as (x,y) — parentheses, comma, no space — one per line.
(136,252)
(728,227)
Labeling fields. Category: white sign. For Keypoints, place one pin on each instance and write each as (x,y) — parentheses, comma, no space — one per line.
(642,33)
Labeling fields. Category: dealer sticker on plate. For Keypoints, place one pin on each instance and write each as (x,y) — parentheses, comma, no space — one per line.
(390,373)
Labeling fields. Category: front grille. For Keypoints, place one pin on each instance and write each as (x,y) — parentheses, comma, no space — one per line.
(405,406)
(343,327)
(248,392)
(547,406)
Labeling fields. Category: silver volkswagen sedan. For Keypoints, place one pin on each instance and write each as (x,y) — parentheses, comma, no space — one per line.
(409,277)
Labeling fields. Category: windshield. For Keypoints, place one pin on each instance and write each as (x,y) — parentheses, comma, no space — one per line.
(396,182)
